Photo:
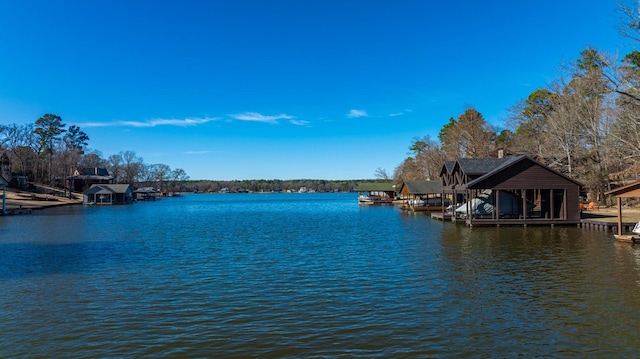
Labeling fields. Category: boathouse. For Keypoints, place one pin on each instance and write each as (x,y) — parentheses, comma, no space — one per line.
(422,195)
(376,192)
(146,194)
(628,191)
(108,194)
(512,190)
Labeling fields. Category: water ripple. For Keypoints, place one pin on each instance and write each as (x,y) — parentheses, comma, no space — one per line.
(317,276)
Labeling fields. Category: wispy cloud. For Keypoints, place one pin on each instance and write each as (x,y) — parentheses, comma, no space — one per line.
(300,122)
(185,122)
(357,113)
(257,117)
(396,114)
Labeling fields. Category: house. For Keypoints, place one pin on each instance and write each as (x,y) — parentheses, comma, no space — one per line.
(423,195)
(108,194)
(512,190)
(86,177)
(376,192)
(4,183)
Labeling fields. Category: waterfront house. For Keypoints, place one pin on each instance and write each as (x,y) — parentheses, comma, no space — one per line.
(376,192)
(4,183)
(108,194)
(422,195)
(86,177)
(512,190)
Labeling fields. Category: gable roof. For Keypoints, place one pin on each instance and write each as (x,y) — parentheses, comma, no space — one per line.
(479,166)
(376,186)
(422,187)
(447,167)
(108,188)
(630,190)
(512,160)
(96,171)
(146,190)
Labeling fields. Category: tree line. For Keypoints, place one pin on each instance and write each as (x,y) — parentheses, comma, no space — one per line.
(585,124)
(239,186)
(48,152)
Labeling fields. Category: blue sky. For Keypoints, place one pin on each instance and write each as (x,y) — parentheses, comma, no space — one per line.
(283,89)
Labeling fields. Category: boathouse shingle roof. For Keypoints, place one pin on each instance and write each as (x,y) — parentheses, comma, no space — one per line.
(510,161)
(422,187)
(479,166)
(376,186)
(108,188)
(628,191)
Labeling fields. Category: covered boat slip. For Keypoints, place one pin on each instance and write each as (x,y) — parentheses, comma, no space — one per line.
(423,196)
(108,194)
(376,192)
(628,191)
(514,206)
(515,190)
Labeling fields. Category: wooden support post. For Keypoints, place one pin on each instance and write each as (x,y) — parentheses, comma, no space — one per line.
(619,203)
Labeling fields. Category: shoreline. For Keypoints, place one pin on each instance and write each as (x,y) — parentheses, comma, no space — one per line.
(24,200)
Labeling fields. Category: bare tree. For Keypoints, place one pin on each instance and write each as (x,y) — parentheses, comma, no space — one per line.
(131,166)
(382,174)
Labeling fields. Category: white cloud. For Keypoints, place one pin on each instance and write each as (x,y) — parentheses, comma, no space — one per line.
(257,117)
(357,113)
(185,122)
(401,113)
(300,122)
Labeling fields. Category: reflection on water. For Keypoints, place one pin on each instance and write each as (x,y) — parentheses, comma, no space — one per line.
(297,275)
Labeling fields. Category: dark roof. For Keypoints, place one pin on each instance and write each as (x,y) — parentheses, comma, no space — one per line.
(630,190)
(376,186)
(447,167)
(510,161)
(95,174)
(146,190)
(108,188)
(422,187)
(479,166)
(96,171)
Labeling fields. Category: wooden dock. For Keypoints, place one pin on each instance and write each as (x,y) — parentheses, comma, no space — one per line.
(441,216)
(584,223)
(630,238)
(606,226)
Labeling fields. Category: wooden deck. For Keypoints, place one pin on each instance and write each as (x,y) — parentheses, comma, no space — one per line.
(441,216)
(584,223)
(631,238)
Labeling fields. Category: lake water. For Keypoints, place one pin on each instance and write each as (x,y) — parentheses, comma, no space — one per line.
(307,275)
